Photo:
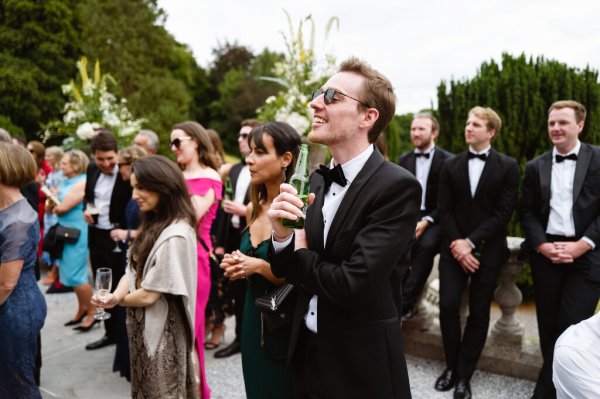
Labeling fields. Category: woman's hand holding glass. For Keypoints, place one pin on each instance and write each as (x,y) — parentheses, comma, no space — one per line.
(109,302)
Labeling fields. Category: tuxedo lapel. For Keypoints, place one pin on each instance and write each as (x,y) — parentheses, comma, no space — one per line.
(545,174)
(314,216)
(352,194)
(488,170)
(435,165)
(583,161)
(463,175)
(411,163)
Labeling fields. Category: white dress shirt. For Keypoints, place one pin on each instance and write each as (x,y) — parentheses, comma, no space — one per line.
(422,168)
(476,166)
(576,365)
(102,194)
(241,187)
(560,219)
(331,202)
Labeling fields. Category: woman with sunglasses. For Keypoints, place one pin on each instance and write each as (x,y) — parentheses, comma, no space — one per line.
(194,152)
(274,149)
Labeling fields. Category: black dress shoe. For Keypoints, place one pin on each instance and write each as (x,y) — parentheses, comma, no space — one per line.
(101,343)
(232,349)
(463,389)
(446,381)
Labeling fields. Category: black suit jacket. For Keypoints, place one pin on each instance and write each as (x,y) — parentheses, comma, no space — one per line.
(409,162)
(356,276)
(534,208)
(121,194)
(485,216)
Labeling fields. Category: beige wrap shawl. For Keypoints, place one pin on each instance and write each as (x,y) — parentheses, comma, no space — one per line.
(171,268)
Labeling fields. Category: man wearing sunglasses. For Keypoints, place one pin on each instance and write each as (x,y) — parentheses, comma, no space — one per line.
(230,231)
(348,261)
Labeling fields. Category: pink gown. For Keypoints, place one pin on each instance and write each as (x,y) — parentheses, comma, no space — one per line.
(200,186)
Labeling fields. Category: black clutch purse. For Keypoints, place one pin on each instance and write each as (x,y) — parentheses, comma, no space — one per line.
(67,234)
(277,306)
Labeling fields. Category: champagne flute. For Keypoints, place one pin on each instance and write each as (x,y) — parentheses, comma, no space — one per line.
(117,248)
(103,286)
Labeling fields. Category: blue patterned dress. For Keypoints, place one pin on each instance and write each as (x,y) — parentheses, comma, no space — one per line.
(74,259)
(22,315)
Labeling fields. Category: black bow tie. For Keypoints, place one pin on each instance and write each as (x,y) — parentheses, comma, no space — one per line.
(336,174)
(422,154)
(560,158)
(472,155)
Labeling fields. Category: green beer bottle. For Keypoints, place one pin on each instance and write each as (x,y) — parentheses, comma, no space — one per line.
(300,182)
(228,195)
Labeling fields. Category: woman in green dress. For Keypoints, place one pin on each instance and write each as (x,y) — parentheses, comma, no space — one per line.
(274,149)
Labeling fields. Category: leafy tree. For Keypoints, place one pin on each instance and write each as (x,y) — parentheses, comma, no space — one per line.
(39,43)
(158,75)
(397,136)
(235,88)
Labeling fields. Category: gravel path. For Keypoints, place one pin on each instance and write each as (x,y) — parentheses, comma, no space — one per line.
(69,371)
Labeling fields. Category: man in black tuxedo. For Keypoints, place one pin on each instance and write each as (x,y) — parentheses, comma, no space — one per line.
(348,260)
(107,191)
(559,211)
(478,194)
(230,231)
(425,162)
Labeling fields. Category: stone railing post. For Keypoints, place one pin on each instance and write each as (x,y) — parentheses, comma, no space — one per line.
(507,329)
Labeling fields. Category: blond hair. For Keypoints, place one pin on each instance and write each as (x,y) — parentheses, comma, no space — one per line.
(132,153)
(78,160)
(491,118)
(17,167)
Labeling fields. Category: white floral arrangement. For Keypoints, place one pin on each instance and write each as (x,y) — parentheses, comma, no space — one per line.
(299,74)
(91,107)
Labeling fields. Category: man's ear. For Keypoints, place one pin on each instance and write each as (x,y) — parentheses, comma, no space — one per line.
(369,118)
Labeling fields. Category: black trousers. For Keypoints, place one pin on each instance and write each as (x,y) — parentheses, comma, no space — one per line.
(421,263)
(462,353)
(306,375)
(564,295)
(102,255)
(237,288)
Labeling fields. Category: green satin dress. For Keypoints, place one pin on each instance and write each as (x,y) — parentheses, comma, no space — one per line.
(265,374)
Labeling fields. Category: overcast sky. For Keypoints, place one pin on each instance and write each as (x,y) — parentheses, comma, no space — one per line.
(415,43)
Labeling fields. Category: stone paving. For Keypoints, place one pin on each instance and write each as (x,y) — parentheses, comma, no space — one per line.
(69,371)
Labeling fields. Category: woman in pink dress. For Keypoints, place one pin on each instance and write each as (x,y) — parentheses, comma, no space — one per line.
(194,152)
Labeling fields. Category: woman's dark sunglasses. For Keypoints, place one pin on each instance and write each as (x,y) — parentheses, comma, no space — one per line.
(330,96)
(177,142)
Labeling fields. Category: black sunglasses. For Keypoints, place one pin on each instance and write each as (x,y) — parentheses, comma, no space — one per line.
(244,135)
(177,142)
(123,164)
(330,96)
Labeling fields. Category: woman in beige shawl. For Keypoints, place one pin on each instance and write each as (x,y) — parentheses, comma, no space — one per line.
(159,287)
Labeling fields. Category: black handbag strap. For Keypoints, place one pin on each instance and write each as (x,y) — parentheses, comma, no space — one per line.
(204,245)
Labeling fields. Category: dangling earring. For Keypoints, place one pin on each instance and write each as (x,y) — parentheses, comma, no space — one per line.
(283,169)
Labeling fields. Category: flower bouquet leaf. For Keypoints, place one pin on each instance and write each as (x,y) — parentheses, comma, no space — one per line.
(299,74)
(89,107)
